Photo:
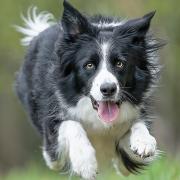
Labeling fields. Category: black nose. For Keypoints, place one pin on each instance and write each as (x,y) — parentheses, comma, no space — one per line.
(108,89)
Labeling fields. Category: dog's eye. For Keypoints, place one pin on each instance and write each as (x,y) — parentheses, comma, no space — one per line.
(89,66)
(119,64)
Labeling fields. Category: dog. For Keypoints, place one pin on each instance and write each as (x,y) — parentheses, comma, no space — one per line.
(87,85)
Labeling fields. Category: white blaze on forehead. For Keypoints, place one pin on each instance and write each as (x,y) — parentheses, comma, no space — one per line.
(104,49)
(104,24)
(104,75)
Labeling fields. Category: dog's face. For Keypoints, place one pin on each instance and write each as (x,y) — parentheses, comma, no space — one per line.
(108,64)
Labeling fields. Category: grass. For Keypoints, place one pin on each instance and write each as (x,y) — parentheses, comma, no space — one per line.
(163,169)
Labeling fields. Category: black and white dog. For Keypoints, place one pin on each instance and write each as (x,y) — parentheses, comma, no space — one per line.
(86,84)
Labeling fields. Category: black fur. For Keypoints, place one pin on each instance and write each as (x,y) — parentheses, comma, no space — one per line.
(131,165)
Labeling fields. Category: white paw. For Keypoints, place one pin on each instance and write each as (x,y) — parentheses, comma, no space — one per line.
(143,145)
(83,162)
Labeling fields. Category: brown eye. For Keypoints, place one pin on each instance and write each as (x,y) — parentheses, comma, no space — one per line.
(119,65)
(90,66)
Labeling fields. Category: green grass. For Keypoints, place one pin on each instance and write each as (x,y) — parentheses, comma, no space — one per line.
(164,169)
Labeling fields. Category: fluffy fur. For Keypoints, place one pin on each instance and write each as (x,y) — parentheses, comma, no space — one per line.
(74,72)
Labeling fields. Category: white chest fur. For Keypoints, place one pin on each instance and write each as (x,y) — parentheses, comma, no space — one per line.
(89,118)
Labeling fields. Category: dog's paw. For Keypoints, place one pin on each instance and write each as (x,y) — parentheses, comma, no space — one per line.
(143,145)
(83,162)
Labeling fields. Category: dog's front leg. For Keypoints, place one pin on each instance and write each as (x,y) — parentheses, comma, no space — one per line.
(73,148)
(81,152)
(138,147)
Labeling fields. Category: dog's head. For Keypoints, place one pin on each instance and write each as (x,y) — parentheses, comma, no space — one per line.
(105,60)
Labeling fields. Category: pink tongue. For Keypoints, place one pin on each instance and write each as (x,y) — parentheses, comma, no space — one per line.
(108,111)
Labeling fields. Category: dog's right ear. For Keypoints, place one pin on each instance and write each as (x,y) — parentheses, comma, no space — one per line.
(73,22)
(136,29)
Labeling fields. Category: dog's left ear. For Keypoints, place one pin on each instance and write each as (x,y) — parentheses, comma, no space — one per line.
(137,28)
(141,25)
(73,22)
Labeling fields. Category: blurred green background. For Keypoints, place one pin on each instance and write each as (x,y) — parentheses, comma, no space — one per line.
(20,146)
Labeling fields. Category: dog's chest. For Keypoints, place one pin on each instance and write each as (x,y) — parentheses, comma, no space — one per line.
(105,149)
(104,143)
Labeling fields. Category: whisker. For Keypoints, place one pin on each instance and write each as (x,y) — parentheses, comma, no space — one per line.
(126,87)
(128,95)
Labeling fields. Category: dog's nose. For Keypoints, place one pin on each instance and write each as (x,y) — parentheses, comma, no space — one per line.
(108,89)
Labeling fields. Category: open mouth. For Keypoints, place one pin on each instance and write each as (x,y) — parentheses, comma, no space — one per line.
(107,110)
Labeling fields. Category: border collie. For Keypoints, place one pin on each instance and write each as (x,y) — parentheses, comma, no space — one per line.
(87,85)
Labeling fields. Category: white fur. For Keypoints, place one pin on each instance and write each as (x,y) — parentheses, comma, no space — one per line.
(139,144)
(104,24)
(34,24)
(105,48)
(103,76)
(81,153)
